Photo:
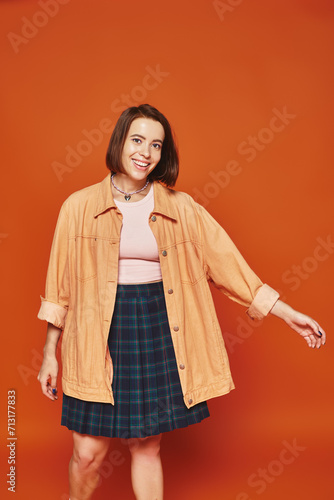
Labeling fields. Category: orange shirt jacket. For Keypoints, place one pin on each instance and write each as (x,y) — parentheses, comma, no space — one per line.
(194,249)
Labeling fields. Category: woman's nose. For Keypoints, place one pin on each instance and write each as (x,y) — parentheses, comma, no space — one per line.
(145,150)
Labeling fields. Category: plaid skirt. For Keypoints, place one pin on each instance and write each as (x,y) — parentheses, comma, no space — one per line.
(146,384)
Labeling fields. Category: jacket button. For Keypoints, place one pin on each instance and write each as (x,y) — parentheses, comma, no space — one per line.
(190,401)
(182,366)
(164,253)
(170,290)
(176,328)
(153,218)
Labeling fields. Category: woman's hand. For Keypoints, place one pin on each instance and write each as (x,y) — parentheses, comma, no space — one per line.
(307,327)
(48,377)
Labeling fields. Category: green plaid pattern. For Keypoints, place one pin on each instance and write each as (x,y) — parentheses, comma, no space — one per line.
(146,383)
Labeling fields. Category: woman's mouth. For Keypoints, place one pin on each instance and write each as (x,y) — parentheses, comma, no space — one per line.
(142,165)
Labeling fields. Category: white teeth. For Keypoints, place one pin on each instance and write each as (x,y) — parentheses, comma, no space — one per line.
(140,163)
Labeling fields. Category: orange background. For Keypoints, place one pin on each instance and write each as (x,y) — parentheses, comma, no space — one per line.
(224,75)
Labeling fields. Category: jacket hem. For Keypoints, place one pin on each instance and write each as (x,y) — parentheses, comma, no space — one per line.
(91,394)
(208,392)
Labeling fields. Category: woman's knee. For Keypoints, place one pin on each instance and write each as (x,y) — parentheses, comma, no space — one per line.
(89,451)
(149,446)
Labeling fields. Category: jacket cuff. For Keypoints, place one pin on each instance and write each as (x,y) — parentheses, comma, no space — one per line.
(52,313)
(263,302)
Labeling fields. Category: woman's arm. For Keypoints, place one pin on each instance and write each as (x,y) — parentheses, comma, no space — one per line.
(49,368)
(307,327)
(230,273)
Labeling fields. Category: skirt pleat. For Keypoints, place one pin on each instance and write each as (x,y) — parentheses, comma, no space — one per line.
(146,384)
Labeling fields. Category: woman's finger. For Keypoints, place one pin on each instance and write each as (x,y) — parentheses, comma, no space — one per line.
(322,335)
(47,389)
(319,333)
(52,392)
(308,341)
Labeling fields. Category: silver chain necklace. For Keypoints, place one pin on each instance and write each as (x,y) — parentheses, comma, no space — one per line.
(128,195)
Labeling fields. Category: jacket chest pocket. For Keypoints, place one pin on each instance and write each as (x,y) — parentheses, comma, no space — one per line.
(85,258)
(191,269)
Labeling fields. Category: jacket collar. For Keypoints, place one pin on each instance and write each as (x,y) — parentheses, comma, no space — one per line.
(163,203)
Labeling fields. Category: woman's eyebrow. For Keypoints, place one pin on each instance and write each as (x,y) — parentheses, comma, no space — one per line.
(142,137)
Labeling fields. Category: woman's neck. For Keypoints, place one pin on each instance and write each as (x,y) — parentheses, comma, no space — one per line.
(125,183)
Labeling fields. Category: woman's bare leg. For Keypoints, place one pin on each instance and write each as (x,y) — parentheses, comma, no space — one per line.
(146,468)
(88,455)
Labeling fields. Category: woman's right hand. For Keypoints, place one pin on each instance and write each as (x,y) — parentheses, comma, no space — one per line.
(48,377)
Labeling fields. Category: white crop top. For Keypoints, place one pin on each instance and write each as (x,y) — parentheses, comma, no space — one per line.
(139,255)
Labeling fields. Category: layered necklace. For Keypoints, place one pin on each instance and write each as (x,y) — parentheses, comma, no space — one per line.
(127,196)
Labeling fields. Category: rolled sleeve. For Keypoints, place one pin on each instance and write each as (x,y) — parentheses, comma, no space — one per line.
(52,313)
(263,302)
(54,305)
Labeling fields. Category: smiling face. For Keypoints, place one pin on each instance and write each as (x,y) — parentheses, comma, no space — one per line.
(142,148)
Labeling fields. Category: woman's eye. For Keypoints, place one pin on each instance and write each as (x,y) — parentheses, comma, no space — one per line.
(136,139)
(157,146)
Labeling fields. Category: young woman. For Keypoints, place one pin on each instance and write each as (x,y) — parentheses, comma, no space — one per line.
(128,284)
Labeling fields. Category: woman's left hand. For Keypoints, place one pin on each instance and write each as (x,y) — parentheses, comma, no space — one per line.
(307,327)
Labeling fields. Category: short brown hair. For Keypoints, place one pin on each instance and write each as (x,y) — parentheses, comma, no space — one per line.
(167,170)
